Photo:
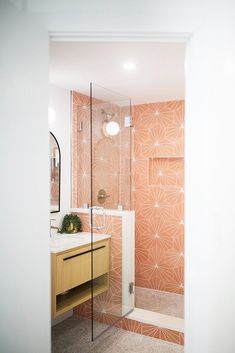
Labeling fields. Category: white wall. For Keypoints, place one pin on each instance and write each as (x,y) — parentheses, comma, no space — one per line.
(24,185)
(59,102)
(210,143)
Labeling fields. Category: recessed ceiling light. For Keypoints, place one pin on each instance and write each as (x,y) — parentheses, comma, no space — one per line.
(129,65)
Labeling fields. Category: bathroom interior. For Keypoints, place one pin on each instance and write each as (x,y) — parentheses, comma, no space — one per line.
(116,122)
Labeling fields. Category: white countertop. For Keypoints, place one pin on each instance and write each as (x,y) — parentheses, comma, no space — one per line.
(62,242)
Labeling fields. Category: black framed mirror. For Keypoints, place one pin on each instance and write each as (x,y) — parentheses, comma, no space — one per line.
(55,175)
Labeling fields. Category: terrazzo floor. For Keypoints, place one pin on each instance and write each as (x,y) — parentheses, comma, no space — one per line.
(161,302)
(73,336)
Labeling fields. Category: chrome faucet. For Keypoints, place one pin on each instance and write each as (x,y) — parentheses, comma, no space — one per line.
(53,227)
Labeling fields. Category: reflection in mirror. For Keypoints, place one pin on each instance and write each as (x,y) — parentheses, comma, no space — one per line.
(55,162)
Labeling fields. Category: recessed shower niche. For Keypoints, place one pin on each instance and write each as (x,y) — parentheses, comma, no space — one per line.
(168,171)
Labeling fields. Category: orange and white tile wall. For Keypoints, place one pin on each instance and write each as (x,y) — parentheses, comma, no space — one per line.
(158,189)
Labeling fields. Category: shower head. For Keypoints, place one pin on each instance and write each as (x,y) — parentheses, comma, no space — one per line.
(108,116)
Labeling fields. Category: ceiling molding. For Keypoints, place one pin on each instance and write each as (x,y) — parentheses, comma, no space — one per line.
(154,37)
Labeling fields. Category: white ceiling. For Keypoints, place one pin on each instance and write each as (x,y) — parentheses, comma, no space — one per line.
(158,77)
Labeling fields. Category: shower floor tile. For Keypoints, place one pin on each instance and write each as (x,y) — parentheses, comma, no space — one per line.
(73,336)
(159,301)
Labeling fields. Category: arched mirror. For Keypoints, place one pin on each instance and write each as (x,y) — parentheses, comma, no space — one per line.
(55,162)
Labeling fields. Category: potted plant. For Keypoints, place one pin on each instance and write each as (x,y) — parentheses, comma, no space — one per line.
(71,224)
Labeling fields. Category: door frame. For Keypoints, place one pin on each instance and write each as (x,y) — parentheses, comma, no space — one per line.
(142,37)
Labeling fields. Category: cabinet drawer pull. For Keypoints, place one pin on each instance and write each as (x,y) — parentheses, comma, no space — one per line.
(82,253)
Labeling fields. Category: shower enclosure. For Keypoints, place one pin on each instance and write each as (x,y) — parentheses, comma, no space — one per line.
(101,190)
(101,195)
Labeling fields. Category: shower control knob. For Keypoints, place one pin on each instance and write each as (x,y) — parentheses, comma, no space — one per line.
(102,196)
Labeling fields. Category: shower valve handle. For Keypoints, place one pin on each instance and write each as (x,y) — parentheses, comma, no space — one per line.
(102,196)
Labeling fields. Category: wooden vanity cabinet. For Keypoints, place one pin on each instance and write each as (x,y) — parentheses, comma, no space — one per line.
(71,275)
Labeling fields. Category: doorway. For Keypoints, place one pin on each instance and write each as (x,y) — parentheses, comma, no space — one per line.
(156,188)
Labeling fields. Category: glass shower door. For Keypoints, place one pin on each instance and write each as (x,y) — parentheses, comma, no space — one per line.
(110,128)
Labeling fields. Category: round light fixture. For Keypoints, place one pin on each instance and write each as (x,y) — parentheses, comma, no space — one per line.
(129,65)
(111,128)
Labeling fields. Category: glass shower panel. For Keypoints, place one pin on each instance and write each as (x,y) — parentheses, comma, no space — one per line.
(111,193)
(111,150)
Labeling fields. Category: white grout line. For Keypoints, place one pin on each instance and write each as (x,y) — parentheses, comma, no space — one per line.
(156,319)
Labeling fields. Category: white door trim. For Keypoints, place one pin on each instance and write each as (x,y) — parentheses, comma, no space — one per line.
(180,37)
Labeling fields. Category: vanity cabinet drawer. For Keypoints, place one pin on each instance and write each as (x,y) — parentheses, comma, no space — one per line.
(74,267)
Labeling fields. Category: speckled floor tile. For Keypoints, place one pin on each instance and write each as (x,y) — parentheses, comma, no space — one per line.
(161,302)
(74,336)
